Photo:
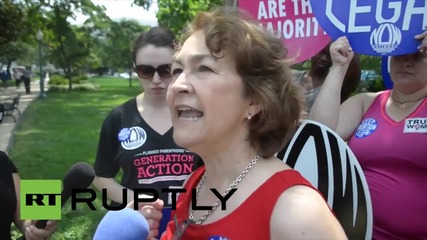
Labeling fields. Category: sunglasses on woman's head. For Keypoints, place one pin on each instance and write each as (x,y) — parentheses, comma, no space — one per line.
(147,71)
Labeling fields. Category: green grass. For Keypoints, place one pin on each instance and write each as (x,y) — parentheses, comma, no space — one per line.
(56,132)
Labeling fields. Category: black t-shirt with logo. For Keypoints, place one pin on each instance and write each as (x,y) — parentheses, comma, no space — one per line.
(147,159)
(8,199)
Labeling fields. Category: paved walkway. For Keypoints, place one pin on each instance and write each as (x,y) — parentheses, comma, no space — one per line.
(7,127)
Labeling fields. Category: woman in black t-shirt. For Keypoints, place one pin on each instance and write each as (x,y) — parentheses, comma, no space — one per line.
(9,185)
(136,137)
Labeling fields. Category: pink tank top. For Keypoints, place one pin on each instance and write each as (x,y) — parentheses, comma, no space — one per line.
(393,156)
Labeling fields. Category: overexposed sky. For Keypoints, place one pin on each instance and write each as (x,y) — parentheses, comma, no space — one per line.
(117,9)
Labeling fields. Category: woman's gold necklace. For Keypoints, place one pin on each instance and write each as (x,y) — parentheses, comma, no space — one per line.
(403,103)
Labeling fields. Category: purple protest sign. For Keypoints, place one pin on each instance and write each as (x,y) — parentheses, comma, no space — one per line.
(378,28)
(293,21)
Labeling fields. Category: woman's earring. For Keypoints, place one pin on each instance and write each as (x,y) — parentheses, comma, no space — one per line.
(249,117)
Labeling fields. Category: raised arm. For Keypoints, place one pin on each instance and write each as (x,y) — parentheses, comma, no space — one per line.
(343,119)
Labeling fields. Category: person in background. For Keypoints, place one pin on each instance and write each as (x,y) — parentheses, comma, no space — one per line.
(17,75)
(26,77)
(136,137)
(311,80)
(9,202)
(236,112)
(5,76)
(386,131)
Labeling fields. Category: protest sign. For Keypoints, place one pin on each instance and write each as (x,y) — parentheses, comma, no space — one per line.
(293,21)
(377,28)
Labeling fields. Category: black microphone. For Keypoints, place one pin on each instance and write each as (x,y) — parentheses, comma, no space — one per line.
(80,175)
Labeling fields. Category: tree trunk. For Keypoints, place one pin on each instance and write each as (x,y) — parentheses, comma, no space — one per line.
(68,75)
(9,63)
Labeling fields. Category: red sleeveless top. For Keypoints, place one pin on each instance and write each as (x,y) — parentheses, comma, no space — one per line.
(251,220)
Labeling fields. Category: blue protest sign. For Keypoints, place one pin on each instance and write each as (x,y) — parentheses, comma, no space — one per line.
(385,69)
(166,217)
(377,28)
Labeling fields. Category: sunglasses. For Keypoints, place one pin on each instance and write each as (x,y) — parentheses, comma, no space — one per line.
(147,71)
(180,228)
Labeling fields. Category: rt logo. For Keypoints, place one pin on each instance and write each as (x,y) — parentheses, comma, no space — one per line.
(40,199)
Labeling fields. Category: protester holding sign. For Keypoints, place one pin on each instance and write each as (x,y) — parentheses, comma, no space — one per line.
(233,102)
(9,202)
(311,80)
(387,132)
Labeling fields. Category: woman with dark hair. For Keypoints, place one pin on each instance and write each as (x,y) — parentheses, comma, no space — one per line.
(312,80)
(136,136)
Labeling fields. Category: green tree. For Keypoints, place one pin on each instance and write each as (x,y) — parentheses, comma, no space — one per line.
(12,51)
(175,14)
(68,45)
(12,21)
(371,63)
(13,28)
(118,45)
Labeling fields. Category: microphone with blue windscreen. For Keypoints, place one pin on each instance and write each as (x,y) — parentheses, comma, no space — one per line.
(126,224)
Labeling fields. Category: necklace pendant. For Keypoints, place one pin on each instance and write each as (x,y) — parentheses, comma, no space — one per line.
(402,105)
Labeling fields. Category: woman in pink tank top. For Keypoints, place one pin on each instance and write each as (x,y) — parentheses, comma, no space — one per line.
(387,131)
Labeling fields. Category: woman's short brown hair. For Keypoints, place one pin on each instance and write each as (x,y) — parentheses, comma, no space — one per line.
(261,62)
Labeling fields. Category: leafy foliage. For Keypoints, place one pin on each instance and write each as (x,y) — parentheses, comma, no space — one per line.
(98,44)
(175,14)
(56,80)
(12,21)
(14,26)
(371,63)
(119,43)
(143,3)
(66,44)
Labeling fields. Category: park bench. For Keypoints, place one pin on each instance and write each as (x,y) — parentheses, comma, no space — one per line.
(8,108)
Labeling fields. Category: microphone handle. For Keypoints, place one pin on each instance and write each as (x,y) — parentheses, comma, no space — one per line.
(41,224)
